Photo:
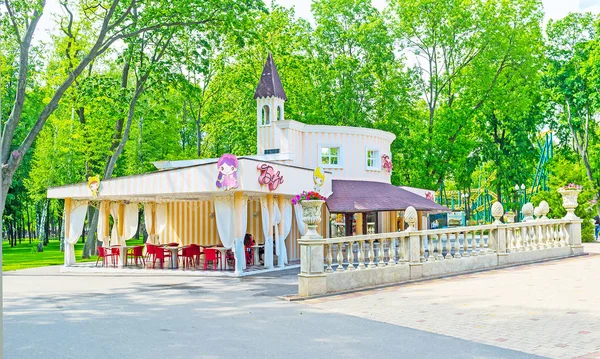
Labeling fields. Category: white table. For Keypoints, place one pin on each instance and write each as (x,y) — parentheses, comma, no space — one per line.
(122,254)
(174,262)
(256,255)
(223,251)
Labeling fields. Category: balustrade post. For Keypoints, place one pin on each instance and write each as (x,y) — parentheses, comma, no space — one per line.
(573,229)
(414,244)
(312,279)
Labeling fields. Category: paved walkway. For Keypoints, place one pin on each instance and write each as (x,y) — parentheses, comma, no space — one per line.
(550,309)
(48,314)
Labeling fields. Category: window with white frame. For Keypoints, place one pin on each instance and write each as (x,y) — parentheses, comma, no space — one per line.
(373,160)
(266,120)
(331,156)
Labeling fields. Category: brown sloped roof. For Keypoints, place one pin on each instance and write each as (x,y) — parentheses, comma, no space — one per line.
(366,196)
(270,84)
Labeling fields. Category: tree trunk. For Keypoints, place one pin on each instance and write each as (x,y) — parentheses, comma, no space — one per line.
(89,247)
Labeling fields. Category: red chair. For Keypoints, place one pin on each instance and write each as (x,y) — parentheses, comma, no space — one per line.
(150,251)
(249,255)
(162,256)
(102,254)
(196,252)
(211,255)
(188,257)
(137,253)
(115,254)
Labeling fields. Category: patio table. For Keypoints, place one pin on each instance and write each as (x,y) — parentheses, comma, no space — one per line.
(123,254)
(223,251)
(256,249)
(174,262)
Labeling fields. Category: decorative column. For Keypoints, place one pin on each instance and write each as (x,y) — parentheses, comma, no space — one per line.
(67,215)
(238,246)
(312,279)
(414,244)
(497,237)
(573,228)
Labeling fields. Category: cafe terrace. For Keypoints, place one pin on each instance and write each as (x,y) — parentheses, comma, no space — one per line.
(213,203)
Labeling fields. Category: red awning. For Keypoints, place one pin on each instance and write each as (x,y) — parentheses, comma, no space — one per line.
(366,196)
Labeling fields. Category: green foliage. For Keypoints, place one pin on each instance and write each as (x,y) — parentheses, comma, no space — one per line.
(565,170)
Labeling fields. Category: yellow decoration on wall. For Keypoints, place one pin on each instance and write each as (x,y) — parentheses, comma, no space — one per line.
(94,185)
(319,178)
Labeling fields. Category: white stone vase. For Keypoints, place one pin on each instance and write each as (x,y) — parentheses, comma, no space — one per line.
(311,215)
(569,197)
(509,217)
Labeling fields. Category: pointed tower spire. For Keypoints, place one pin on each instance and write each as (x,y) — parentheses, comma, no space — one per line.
(270,84)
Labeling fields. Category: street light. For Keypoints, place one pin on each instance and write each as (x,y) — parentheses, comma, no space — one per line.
(522,197)
(465,198)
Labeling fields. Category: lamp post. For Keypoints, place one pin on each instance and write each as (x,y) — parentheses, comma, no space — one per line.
(465,198)
(521,194)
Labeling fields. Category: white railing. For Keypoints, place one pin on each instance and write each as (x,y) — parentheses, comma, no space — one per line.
(411,254)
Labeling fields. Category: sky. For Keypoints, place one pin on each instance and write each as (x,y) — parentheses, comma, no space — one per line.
(554,9)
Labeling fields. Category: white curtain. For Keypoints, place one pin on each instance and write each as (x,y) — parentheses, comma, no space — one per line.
(287,228)
(301,225)
(148,220)
(130,222)
(101,221)
(76,220)
(114,235)
(224,214)
(276,221)
(264,211)
(161,219)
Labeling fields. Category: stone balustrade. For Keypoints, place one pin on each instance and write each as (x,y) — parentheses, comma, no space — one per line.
(346,263)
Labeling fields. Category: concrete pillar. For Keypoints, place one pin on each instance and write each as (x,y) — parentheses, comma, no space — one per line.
(414,243)
(359,224)
(574,230)
(280,261)
(238,241)
(67,215)
(312,279)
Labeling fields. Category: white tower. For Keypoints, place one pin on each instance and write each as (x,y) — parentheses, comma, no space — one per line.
(270,105)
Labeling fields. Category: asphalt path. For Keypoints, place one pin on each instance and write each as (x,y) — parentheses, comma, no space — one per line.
(52,315)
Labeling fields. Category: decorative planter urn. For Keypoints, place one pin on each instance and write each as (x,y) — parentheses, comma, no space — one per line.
(569,201)
(509,217)
(311,215)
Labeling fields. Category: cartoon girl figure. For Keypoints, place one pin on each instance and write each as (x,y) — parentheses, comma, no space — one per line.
(227,178)
(94,185)
(319,178)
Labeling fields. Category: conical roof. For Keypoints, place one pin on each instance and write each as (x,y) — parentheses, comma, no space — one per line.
(270,83)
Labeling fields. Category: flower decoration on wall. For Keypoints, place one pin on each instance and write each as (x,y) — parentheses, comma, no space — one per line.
(269,177)
(429,196)
(572,186)
(386,163)
(94,185)
(307,196)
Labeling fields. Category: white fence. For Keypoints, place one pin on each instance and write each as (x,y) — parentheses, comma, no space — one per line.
(339,264)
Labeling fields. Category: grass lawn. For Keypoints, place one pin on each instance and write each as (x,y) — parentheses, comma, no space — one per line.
(24,255)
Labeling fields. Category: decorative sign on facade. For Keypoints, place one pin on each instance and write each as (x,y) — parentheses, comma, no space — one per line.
(429,196)
(386,163)
(94,185)
(319,178)
(227,167)
(269,177)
